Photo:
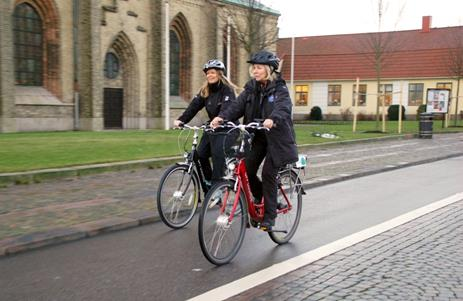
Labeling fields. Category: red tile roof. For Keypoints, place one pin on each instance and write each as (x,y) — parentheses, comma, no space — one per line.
(408,54)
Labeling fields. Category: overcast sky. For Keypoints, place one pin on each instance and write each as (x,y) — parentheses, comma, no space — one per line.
(325,17)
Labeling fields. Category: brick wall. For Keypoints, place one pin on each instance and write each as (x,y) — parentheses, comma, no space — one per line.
(6,70)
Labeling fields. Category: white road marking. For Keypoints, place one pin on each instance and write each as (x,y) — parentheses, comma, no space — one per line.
(279,269)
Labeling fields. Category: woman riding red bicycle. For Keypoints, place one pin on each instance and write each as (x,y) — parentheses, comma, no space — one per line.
(265,97)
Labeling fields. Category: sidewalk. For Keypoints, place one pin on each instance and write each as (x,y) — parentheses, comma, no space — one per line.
(71,208)
(419,260)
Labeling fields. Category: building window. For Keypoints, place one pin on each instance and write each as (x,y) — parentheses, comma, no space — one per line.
(444,86)
(180,57)
(28,46)
(111,66)
(302,95)
(362,95)
(174,64)
(387,90)
(415,94)
(334,95)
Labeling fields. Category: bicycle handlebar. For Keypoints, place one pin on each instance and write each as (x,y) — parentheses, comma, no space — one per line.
(195,128)
(242,127)
(229,124)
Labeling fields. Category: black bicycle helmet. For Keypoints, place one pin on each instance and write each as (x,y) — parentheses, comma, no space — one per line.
(214,64)
(265,57)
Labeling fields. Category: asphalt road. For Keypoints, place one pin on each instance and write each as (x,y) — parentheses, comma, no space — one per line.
(155,263)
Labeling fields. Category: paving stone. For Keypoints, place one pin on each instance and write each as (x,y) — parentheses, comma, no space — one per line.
(406,271)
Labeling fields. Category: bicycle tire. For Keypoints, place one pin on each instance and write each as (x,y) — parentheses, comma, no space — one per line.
(213,226)
(177,196)
(288,220)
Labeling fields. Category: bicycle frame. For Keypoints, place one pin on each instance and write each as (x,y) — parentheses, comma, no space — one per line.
(256,211)
(192,159)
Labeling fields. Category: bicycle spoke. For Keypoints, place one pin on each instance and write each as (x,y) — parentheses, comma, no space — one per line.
(219,242)
(175,216)
(213,237)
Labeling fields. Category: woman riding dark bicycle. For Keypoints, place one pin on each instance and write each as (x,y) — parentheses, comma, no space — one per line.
(265,97)
(216,94)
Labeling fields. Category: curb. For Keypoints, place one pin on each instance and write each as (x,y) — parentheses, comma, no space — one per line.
(37,176)
(12,246)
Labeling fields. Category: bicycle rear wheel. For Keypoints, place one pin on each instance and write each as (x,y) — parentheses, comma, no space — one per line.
(290,202)
(177,197)
(221,236)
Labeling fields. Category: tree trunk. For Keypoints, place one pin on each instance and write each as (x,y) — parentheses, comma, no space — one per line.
(455,122)
(378,82)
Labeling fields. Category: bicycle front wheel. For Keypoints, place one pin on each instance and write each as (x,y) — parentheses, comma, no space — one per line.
(290,207)
(177,197)
(222,228)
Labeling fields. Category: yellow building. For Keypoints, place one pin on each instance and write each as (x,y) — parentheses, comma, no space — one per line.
(410,62)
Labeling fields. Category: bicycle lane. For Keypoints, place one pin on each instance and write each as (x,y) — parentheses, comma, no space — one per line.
(416,255)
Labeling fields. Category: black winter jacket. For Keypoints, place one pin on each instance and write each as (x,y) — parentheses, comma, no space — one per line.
(220,97)
(270,102)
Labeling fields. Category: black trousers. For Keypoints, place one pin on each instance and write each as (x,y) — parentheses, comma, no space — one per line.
(211,146)
(268,186)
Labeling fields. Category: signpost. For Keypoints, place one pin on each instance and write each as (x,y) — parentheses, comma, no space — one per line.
(437,101)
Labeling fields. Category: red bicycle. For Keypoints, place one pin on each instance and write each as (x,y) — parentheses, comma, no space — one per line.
(229,206)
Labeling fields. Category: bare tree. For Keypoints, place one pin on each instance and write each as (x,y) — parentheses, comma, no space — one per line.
(455,64)
(378,48)
(252,24)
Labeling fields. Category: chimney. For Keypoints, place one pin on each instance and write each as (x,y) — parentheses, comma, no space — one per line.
(426,27)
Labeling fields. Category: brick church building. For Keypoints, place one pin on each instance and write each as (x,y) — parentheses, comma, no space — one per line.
(100,64)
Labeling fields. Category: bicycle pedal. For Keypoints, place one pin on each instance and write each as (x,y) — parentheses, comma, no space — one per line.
(265,229)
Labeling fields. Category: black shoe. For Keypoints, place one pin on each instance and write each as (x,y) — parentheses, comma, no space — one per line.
(267,224)
(257,201)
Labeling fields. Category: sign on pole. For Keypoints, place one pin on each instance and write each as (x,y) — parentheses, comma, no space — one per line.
(437,101)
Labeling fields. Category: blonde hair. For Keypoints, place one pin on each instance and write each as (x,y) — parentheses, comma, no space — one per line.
(271,76)
(204,90)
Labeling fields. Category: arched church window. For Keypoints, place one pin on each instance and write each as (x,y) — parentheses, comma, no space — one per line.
(174,63)
(28,46)
(111,66)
